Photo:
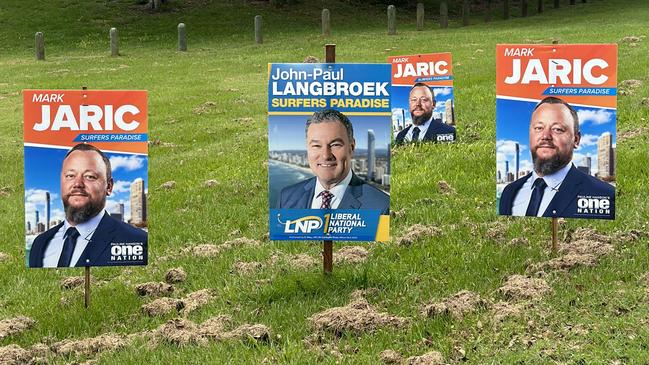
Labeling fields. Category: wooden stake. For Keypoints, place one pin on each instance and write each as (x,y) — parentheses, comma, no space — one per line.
(86,293)
(327,253)
(555,223)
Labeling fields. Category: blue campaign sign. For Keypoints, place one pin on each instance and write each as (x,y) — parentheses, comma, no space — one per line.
(324,224)
(329,147)
(305,87)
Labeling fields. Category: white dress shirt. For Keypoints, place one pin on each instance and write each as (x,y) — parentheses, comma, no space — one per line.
(337,191)
(55,247)
(524,194)
(422,131)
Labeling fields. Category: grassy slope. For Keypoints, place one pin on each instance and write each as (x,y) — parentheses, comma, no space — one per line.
(224,66)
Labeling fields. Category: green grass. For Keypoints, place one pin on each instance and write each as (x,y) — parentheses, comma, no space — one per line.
(607,302)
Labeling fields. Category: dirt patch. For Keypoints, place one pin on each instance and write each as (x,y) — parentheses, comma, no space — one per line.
(15,355)
(299,261)
(444,188)
(429,358)
(417,232)
(398,213)
(215,326)
(310,59)
(175,275)
(356,317)
(587,247)
(162,306)
(630,236)
(457,305)
(504,310)
(496,231)
(153,289)
(631,39)
(204,250)
(362,293)
(564,263)
(636,131)
(5,191)
(257,332)
(13,326)
(518,287)
(73,282)
(196,300)
(244,120)
(587,233)
(247,268)
(4,257)
(90,346)
(351,255)
(211,183)
(628,87)
(519,241)
(157,142)
(168,185)
(178,331)
(204,108)
(390,357)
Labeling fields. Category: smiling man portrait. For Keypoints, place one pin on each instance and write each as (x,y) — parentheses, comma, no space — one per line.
(556,186)
(330,148)
(85,236)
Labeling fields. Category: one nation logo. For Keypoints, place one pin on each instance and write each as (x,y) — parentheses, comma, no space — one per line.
(127,251)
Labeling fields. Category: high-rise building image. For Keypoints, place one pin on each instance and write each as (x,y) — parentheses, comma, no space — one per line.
(518,162)
(138,202)
(47,210)
(605,156)
(371,155)
(449,113)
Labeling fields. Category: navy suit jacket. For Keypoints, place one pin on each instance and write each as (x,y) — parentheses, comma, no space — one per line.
(98,252)
(576,185)
(436,127)
(358,195)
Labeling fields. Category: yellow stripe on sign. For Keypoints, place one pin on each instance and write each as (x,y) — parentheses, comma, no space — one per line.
(383,231)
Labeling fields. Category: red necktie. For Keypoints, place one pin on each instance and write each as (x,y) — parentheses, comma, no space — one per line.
(326,199)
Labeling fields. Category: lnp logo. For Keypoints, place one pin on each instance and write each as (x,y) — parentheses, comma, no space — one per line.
(127,251)
(301,225)
(594,205)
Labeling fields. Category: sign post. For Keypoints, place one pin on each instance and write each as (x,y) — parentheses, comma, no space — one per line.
(327,253)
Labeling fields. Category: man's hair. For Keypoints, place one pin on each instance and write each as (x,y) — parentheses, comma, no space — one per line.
(89,147)
(421,84)
(329,115)
(573,112)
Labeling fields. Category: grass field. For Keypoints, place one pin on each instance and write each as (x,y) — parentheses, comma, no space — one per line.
(594,314)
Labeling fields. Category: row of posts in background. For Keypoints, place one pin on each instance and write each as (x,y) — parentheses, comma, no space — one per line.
(326,23)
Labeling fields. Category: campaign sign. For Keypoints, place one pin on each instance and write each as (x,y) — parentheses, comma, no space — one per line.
(556,110)
(329,151)
(86,178)
(422,98)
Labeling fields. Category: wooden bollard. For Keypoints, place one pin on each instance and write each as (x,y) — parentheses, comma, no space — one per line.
(557,4)
(156,4)
(524,8)
(420,16)
(487,11)
(326,22)
(39,43)
(182,38)
(505,9)
(258,36)
(465,12)
(114,42)
(392,20)
(443,15)
(541,6)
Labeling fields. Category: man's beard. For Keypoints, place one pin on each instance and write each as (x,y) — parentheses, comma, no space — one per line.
(84,213)
(551,165)
(422,118)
